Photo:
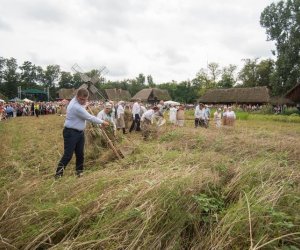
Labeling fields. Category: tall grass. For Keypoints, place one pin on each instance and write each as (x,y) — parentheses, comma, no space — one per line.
(234,188)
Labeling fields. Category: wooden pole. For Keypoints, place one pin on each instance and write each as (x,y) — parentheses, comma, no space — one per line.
(120,156)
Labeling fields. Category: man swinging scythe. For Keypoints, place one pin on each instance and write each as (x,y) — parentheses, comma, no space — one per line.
(75,124)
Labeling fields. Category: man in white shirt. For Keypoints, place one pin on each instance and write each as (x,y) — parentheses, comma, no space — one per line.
(136,110)
(73,132)
(200,116)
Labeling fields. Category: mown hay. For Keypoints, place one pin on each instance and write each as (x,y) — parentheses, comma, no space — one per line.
(189,189)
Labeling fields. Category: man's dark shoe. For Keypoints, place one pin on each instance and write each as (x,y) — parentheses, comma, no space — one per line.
(79,175)
(57,176)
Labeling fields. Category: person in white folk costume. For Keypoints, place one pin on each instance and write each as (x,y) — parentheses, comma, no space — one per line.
(107,115)
(172,114)
(218,118)
(120,117)
(230,117)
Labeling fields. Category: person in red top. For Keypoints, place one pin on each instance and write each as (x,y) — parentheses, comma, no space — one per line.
(1,110)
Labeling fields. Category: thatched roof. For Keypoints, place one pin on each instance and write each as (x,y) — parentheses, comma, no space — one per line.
(237,95)
(117,94)
(65,94)
(294,93)
(281,100)
(152,95)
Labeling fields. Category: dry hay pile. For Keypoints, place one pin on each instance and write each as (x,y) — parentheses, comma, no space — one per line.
(97,143)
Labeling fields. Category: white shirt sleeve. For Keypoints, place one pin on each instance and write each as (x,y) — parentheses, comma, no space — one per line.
(83,114)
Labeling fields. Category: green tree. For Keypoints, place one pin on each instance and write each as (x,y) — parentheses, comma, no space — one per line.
(281,21)
(228,79)
(248,74)
(76,81)
(40,75)
(265,70)
(51,76)
(137,84)
(2,67)
(257,73)
(171,87)
(150,81)
(11,78)
(140,80)
(66,80)
(214,73)
(28,75)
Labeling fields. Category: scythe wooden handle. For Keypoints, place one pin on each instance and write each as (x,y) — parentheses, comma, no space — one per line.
(108,140)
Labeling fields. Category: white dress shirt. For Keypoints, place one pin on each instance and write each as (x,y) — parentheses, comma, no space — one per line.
(136,109)
(77,116)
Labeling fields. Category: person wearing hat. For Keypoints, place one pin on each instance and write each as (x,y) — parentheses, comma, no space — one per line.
(73,132)
(107,115)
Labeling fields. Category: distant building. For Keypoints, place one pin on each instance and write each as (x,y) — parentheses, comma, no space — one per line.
(255,95)
(66,94)
(152,95)
(280,101)
(117,94)
(294,94)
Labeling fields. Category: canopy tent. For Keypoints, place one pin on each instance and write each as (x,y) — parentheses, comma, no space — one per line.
(27,100)
(33,91)
(35,94)
(171,103)
(2,100)
(16,99)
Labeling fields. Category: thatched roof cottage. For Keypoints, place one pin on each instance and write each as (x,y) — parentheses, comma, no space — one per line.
(67,94)
(294,94)
(281,100)
(117,94)
(255,95)
(152,95)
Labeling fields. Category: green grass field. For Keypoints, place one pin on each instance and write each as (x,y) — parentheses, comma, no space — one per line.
(233,188)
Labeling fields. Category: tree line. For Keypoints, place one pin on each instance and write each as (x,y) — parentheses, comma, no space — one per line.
(281,21)
(28,75)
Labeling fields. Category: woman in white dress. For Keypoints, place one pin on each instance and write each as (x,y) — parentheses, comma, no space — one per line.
(172,114)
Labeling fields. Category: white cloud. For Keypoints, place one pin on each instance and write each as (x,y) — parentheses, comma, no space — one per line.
(171,40)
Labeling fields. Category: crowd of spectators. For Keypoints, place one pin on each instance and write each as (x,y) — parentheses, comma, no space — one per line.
(15,109)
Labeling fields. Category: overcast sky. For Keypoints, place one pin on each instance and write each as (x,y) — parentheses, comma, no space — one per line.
(169,39)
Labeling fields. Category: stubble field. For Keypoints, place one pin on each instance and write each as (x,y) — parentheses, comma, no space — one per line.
(234,188)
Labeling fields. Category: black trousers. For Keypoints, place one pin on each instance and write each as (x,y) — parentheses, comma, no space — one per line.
(136,122)
(73,142)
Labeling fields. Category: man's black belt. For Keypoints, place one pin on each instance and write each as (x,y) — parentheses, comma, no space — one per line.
(76,130)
